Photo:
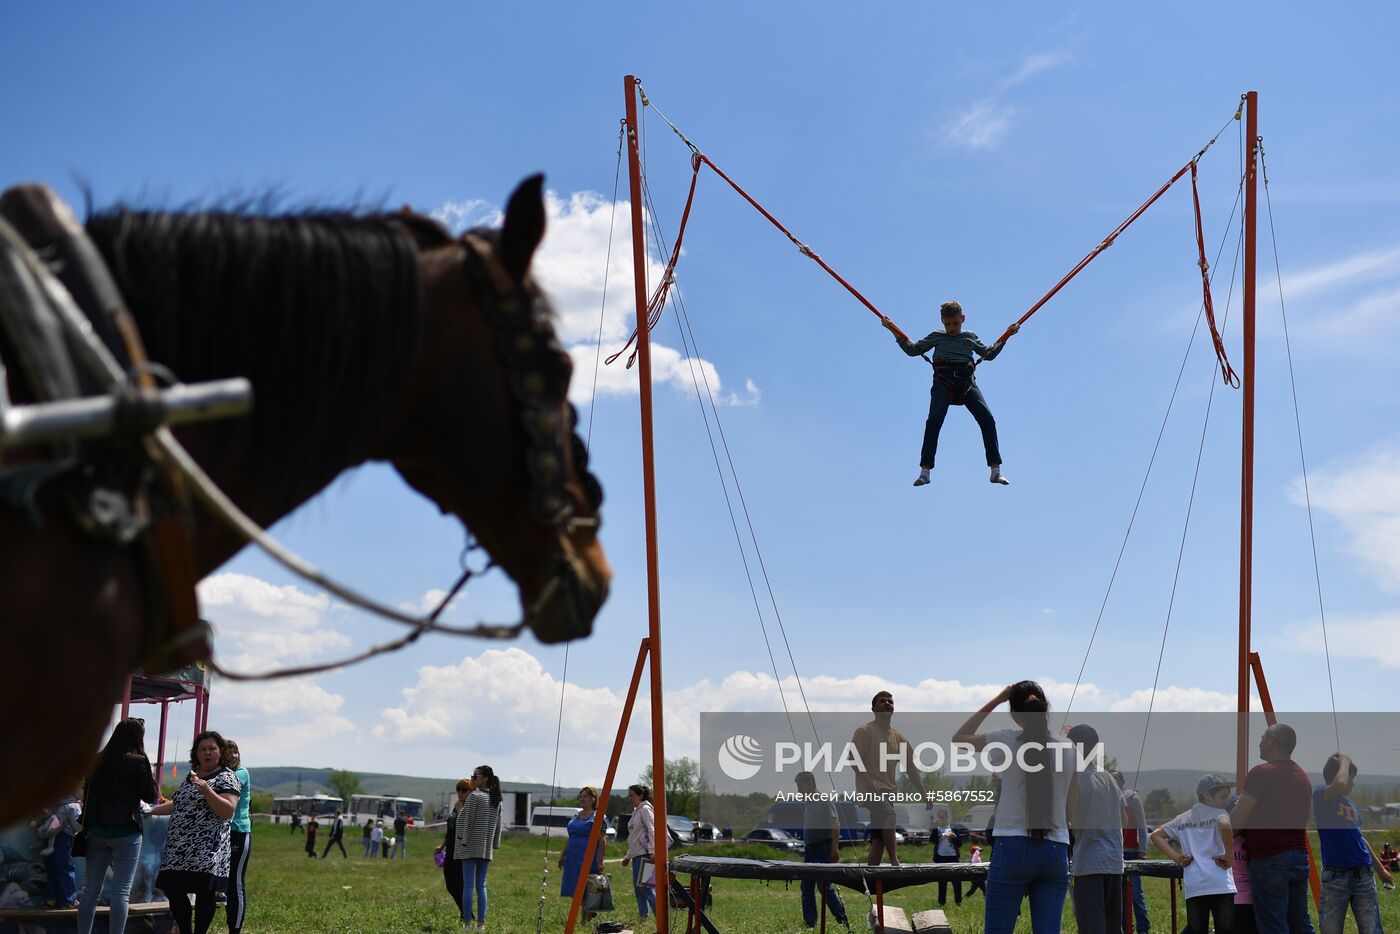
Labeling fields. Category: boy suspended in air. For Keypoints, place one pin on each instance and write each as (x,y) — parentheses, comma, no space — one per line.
(954,384)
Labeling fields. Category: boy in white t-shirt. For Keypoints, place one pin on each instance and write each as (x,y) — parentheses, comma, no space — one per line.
(1204,850)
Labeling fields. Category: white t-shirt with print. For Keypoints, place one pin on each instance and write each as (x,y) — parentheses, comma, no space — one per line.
(1197,834)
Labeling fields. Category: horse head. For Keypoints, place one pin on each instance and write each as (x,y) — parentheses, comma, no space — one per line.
(492,440)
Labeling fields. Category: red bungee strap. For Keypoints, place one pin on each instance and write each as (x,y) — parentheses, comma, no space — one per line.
(805,250)
(1107,242)
(658,300)
(1227,372)
(657,303)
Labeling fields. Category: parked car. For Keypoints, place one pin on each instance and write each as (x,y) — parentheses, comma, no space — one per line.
(788,816)
(682,829)
(554,822)
(706,833)
(912,836)
(774,837)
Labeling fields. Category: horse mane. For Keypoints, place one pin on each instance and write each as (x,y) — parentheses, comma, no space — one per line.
(320,309)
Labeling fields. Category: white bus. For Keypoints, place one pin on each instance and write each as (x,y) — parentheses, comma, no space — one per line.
(308,806)
(385,808)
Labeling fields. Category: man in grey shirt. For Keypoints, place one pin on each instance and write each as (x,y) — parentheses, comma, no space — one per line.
(1096,861)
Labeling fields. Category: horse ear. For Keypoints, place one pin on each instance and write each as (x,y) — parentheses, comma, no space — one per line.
(524,226)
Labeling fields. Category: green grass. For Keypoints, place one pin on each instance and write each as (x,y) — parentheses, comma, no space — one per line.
(290,893)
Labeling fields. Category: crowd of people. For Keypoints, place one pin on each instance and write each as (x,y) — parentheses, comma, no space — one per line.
(1057,833)
(1066,832)
(209,839)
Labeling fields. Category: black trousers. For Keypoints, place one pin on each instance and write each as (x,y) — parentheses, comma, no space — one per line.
(240,846)
(452,875)
(1098,903)
(335,841)
(198,920)
(943,883)
(1202,909)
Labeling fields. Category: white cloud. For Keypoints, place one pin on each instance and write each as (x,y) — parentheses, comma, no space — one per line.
(1180,699)
(576,268)
(259,625)
(458,216)
(429,602)
(1034,64)
(1366,266)
(1375,639)
(1360,295)
(1363,498)
(439,710)
(986,122)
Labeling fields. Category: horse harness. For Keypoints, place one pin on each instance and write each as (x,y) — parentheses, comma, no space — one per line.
(106,479)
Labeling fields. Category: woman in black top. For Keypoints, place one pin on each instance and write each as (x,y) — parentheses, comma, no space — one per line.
(452,872)
(112,799)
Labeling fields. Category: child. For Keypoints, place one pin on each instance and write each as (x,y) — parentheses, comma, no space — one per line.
(311,829)
(57,830)
(1347,860)
(980,882)
(954,384)
(1244,894)
(1206,853)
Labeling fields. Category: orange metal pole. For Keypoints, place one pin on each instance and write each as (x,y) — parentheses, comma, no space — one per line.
(596,833)
(1257,667)
(1251,206)
(662,837)
(1314,878)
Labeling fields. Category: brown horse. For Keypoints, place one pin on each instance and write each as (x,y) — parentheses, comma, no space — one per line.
(366,338)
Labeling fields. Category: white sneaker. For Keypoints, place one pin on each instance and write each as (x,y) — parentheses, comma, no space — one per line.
(999,477)
(922,479)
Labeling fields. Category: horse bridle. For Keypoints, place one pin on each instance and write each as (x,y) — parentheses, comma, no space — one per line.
(529,351)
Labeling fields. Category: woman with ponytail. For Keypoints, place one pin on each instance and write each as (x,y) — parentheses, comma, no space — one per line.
(478,836)
(1030,852)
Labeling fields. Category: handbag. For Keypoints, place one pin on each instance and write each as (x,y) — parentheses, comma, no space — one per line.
(598,895)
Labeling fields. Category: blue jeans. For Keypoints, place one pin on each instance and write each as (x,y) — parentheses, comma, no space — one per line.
(820,854)
(1022,868)
(400,846)
(1354,886)
(1140,923)
(1280,886)
(61,887)
(940,397)
(474,880)
(646,894)
(122,854)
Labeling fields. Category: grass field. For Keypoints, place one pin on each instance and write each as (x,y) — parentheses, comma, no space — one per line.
(290,893)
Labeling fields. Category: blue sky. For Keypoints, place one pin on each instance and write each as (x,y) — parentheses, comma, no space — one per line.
(927,152)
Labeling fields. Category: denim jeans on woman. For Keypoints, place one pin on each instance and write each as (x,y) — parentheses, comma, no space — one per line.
(1354,887)
(1280,887)
(646,894)
(474,880)
(1024,869)
(122,854)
